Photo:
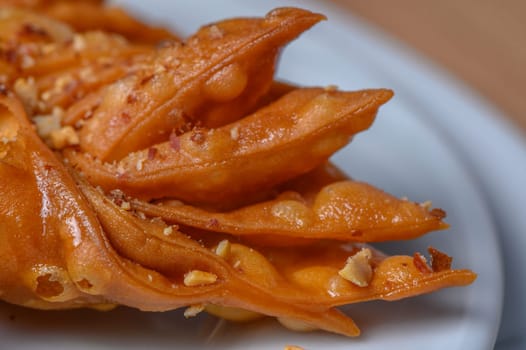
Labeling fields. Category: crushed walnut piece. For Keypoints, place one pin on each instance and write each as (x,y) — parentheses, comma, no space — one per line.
(215,32)
(26,90)
(234,133)
(64,137)
(27,61)
(199,278)
(140,164)
(125,205)
(357,269)
(427,205)
(223,248)
(46,124)
(420,263)
(198,136)
(79,42)
(439,261)
(168,230)
(193,310)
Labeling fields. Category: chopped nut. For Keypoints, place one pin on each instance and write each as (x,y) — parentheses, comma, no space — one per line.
(237,264)
(199,278)
(46,124)
(439,261)
(420,263)
(117,196)
(223,248)
(426,205)
(193,310)
(139,164)
(66,136)
(46,95)
(150,278)
(357,269)
(27,61)
(79,43)
(62,82)
(215,32)
(198,136)
(234,133)
(125,205)
(437,213)
(168,230)
(57,111)
(26,90)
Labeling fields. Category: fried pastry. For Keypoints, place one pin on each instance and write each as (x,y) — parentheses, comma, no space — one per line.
(183,175)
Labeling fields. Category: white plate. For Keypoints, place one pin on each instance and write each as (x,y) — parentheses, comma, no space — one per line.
(423,145)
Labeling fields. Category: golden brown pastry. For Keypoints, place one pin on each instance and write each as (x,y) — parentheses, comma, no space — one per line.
(184,176)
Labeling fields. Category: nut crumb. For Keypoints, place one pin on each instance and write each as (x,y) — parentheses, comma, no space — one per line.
(420,263)
(439,261)
(199,278)
(223,248)
(79,43)
(215,32)
(198,136)
(234,133)
(27,61)
(125,205)
(193,310)
(426,205)
(46,124)
(139,164)
(64,137)
(168,230)
(26,89)
(357,269)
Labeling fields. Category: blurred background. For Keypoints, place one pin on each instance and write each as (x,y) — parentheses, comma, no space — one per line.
(482,42)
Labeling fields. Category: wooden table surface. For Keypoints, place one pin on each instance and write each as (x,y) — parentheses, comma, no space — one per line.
(482,42)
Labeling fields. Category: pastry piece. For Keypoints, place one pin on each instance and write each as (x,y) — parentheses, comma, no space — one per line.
(249,219)
(216,77)
(318,205)
(77,254)
(50,66)
(88,15)
(281,141)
